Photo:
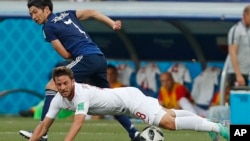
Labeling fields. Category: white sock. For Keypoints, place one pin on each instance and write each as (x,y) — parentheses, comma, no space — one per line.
(195,123)
(183,113)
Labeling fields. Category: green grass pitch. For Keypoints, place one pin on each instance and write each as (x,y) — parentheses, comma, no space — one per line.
(93,130)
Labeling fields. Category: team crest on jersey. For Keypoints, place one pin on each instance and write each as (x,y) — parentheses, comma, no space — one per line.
(80,107)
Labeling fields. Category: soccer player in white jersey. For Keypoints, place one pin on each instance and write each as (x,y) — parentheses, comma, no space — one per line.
(86,99)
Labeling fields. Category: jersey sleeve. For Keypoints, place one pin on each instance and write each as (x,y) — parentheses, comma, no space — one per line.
(72,12)
(234,35)
(81,104)
(82,108)
(49,33)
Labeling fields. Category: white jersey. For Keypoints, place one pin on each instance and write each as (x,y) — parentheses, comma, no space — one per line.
(92,100)
(146,76)
(180,73)
(204,84)
(124,73)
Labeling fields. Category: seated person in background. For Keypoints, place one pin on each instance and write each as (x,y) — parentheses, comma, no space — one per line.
(112,76)
(173,94)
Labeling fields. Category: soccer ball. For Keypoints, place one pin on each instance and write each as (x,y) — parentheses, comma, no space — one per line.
(152,133)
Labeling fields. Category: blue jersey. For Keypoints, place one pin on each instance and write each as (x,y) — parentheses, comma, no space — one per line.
(65,27)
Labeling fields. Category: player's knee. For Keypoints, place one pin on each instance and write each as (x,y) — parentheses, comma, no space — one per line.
(171,112)
(168,122)
(51,85)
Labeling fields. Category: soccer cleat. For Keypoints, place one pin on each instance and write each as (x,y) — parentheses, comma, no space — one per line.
(136,137)
(28,134)
(214,136)
(224,131)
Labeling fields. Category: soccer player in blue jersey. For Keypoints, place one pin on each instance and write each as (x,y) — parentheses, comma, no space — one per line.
(69,38)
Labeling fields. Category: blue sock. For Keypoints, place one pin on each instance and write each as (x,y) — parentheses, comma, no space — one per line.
(126,123)
(49,96)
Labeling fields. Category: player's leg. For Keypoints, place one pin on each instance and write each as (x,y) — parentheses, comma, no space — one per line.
(126,123)
(185,120)
(50,92)
(179,113)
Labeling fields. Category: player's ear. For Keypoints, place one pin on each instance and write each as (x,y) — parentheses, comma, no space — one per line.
(46,9)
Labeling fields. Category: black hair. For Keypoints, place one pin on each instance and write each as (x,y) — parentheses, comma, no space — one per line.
(112,67)
(40,4)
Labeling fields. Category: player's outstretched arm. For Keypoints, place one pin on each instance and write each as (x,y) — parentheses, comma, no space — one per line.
(86,14)
(75,127)
(41,129)
(60,49)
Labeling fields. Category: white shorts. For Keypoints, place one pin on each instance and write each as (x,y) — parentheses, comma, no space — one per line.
(146,108)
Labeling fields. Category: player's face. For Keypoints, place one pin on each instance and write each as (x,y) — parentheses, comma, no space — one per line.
(166,81)
(65,85)
(38,15)
(111,75)
(247,19)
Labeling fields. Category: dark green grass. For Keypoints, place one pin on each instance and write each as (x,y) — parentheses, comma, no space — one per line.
(93,130)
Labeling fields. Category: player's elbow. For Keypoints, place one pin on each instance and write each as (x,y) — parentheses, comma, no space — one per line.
(91,12)
(67,56)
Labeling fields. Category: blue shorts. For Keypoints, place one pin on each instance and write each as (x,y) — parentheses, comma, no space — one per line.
(90,69)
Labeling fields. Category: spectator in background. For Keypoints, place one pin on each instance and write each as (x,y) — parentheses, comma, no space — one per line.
(239,50)
(112,77)
(173,94)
